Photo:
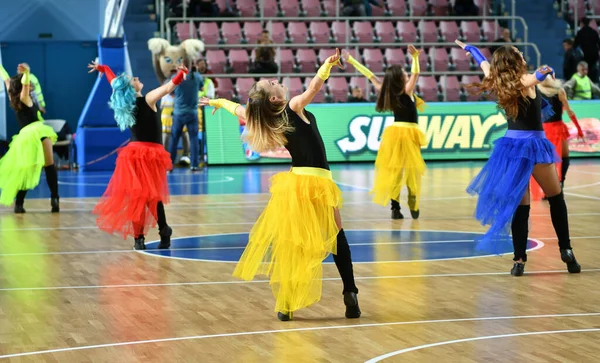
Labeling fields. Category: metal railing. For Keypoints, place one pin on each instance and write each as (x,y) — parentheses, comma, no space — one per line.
(347,20)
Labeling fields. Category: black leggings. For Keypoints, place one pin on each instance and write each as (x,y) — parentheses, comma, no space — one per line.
(161,219)
(343,262)
(51,180)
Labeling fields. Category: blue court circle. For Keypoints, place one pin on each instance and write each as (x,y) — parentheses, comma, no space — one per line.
(367,246)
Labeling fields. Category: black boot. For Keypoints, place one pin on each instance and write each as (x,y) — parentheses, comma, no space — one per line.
(351,302)
(165,238)
(55,205)
(412,202)
(567,256)
(518,269)
(20,201)
(19,209)
(396,210)
(285,316)
(139,243)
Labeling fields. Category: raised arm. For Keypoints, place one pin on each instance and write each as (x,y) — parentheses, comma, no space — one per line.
(362,70)
(157,94)
(476,54)
(5,77)
(234,108)
(562,96)
(102,69)
(297,103)
(415,69)
(25,97)
(530,80)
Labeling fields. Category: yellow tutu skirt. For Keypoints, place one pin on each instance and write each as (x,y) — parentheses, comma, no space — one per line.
(399,163)
(293,236)
(21,167)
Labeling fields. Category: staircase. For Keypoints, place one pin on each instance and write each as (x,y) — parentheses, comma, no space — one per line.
(546,29)
(139,27)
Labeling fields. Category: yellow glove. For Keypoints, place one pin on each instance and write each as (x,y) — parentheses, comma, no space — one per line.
(3,74)
(359,67)
(324,70)
(25,79)
(226,104)
(415,67)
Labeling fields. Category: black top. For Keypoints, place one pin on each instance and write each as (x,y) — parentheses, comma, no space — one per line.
(557,107)
(27,115)
(589,42)
(305,143)
(529,117)
(408,111)
(148,127)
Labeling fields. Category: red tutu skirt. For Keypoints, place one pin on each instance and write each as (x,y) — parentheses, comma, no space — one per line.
(556,133)
(139,182)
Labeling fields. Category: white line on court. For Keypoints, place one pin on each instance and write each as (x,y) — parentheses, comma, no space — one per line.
(239,282)
(582,196)
(224,180)
(308,329)
(488,337)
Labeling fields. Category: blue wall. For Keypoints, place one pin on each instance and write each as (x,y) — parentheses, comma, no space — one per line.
(66,20)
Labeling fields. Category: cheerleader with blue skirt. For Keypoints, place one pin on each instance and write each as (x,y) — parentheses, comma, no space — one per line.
(502,185)
(30,150)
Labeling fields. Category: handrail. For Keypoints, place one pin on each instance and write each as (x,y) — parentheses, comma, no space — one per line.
(347,20)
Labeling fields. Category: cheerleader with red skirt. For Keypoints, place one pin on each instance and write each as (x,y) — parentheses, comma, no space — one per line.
(556,130)
(135,197)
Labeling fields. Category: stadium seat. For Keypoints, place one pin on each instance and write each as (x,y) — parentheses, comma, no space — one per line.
(232,33)
(239,60)
(385,31)
(429,31)
(363,32)
(209,32)
(338,88)
(418,7)
(322,56)
(306,60)
(394,56)
(247,8)
(340,31)
(185,30)
(216,60)
(286,58)
(449,31)
(361,82)
(329,7)
(439,7)
(294,85)
(378,11)
(290,8)
(252,31)
(373,59)
(320,96)
(349,68)
(406,31)
(470,31)
(311,8)
(460,59)
(242,87)
(319,30)
(468,80)
(277,31)
(439,59)
(428,88)
(491,30)
(225,88)
(451,88)
(271,9)
(397,7)
(298,32)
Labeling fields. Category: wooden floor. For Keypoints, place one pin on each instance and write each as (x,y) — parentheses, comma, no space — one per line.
(70,293)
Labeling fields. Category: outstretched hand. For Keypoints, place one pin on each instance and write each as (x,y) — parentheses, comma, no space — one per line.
(184,70)
(412,50)
(205,101)
(462,45)
(546,70)
(335,59)
(345,55)
(93,67)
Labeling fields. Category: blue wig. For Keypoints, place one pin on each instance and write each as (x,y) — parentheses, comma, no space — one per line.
(122,101)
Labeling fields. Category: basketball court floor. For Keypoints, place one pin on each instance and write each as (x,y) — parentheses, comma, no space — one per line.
(71,293)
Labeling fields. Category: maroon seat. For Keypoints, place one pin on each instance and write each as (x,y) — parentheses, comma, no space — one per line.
(319,31)
(349,68)
(470,31)
(252,31)
(429,31)
(277,31)
(469,80)
(439,59)
(320,96)
(397,7)
(290,8)
(307,60)
(385,31)
(373,59)
(271,8)
(329,6)
(338,88)
(209,33)
(460,59)
(323,54)
(247,8)
(298,32)
(491,30)
(361,82)
(394,56)
(232,33)
(439,7)
(242,87)
(185,30)
(340,31)
(449,31)
(239,60)
(419,7)
(451,88)
(407,31)
(428,88)
(286,58)
(224,89)
(312,8)
(294,85)
(363,31)
(216,60)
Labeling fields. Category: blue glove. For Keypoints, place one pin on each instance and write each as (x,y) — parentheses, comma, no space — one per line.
(476,53)
(541,76)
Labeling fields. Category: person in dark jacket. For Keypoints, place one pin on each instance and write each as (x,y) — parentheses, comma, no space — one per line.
(572,57)
(589,42)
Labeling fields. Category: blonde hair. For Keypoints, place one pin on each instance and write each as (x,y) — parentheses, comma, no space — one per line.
(266,121)
(550,87)
(506,69)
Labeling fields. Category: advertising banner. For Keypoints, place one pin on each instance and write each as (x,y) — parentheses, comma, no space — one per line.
(352,132)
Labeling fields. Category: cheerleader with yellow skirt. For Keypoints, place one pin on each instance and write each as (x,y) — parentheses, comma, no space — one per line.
(301,225)
(30,150)
(399,161)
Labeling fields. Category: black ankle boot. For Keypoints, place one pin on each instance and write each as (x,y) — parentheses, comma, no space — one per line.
(19,209)
(284,316)
(139,243)
(396,214)
(518,269)
(568,257)
(55,205)
(351,302)
(412,202)
(165,238)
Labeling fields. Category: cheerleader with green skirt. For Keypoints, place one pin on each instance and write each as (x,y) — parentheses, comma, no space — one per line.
(29,150)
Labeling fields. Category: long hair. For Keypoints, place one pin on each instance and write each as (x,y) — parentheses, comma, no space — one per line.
(266,121)
(550,86)
(14,92)
(506,69)
(122,101)
(392,88)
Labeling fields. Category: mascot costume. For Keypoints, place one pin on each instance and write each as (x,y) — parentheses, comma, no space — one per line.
(165,59)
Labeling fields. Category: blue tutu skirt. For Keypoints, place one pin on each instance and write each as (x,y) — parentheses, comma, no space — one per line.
(504,180)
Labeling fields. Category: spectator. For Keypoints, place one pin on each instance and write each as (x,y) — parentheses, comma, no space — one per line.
(589,42)
(369,8)
(205,8)
(505,38)
(572,57)
(265,56)
(465,8)
(354,8)
(203,69)
(36,87)
(580,86)
(357,95)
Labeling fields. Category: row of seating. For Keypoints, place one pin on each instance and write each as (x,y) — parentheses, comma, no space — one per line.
(307,60)
(339,31)
(315,8)
(584,7)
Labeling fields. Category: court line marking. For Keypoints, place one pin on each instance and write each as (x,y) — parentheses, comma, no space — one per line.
(292,330)
(239,282)
(487,337)
(227,179)
(582,196)
(252,223)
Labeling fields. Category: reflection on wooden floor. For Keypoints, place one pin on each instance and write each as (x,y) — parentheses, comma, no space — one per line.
(70,293)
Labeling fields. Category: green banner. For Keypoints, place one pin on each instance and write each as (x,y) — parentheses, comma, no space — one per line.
(352,132)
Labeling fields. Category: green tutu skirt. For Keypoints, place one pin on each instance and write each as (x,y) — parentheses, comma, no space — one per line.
(21,166)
